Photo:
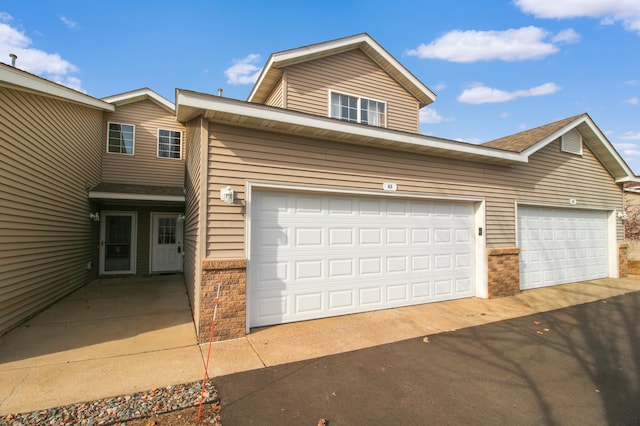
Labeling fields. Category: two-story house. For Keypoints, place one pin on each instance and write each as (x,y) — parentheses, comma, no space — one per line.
(315,197)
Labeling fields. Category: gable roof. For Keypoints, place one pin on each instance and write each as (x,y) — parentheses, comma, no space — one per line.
(140,95)
(14,77)
(271,72)
(530,141)
(217,109)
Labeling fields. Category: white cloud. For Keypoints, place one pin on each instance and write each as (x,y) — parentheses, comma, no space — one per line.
(430,116)
(36,61)
(609,11)
(481,94)
(632,101)
(5,17)
(472,46)
(630,136)
(243,71)
(631,82)
(440,86)
(628,149)
(503,114)
(68,22)
(568,36)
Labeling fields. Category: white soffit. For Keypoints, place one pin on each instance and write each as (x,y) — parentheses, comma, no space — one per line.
(191,104)
(138,95)
(11,76)
(363,41)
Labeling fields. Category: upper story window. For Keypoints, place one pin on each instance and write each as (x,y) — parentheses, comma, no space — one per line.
(358,109)
(121,138)
(169,144)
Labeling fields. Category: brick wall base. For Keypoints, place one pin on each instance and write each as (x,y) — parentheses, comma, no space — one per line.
(503,272)
(231,274)
(623,260)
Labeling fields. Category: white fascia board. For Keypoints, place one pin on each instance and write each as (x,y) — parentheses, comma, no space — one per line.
(261,77)
(301,52)
(544,142)
(208,102)
(139,197)
(631,177)
(141,92)
(34,83)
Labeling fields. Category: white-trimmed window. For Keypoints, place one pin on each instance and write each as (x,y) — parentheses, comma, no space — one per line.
(358,109)
(169,144)
(121,138)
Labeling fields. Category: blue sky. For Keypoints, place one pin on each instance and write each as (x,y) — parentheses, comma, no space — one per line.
(498,67)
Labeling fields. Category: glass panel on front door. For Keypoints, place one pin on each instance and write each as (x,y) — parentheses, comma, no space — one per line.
(117,241)
(166,230)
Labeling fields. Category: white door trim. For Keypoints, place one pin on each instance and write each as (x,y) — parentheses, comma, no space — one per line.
(133,249)
(481,289)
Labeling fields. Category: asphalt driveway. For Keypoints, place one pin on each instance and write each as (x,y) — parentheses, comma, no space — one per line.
(574,366)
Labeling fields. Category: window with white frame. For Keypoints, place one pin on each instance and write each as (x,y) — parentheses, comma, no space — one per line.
(358,109)
(169,144)
(121,138)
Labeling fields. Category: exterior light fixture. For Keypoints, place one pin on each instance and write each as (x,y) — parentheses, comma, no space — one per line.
(94,217)
(181,217)
(227,195)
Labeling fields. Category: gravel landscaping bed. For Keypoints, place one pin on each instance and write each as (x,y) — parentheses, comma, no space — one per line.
(120,409)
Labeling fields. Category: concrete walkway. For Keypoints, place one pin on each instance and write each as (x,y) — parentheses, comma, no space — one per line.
(120,336)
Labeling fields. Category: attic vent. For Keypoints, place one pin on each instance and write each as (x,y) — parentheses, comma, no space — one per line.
(571,142)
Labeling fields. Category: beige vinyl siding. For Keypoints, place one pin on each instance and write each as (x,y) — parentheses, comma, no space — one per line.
(195,135)
(50,152)
(351,73)
(238,155)
(276,98)
(144,167)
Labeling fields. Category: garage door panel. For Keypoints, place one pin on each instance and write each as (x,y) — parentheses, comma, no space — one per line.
(324,255)
(561,245)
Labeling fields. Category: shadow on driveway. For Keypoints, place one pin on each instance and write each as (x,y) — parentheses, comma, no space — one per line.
(578,365)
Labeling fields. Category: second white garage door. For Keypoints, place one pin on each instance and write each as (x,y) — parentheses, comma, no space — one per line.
(316,256)
(560,246)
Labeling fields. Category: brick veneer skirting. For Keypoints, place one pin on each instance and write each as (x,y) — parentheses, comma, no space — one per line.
(623,260)
(503,272)
(231,274)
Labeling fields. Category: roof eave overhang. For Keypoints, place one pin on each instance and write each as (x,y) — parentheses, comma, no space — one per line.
(192,104)
(11,77)
(96,195)
(140,95)
(271,72)
(597,143)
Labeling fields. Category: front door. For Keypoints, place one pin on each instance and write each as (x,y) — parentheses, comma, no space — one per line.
(166,243)
(118,243)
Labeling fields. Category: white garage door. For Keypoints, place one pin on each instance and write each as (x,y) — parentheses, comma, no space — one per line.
(560,246)
(316,256)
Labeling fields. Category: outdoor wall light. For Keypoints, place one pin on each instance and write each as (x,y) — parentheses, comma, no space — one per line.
(181,217)
(227,195)
(622,216)
(94,217)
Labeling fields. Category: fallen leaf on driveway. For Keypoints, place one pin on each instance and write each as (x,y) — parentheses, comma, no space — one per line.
(539,332)
(426,339)
(537,322)
(333,394)
(322,422)
(545,329)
